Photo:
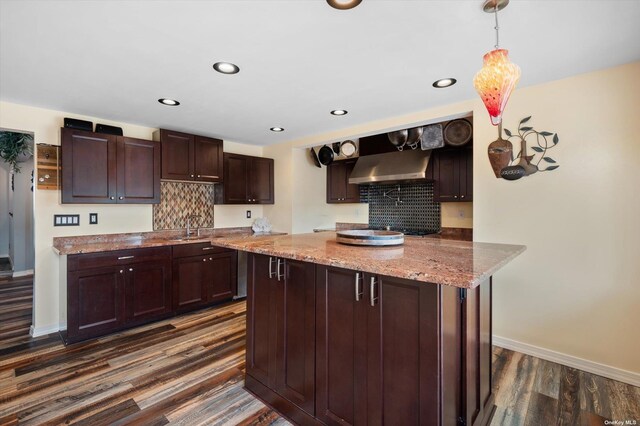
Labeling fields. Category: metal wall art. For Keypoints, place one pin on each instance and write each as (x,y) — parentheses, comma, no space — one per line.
(506,166)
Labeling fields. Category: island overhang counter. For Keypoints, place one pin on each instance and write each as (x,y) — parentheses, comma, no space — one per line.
(348,335)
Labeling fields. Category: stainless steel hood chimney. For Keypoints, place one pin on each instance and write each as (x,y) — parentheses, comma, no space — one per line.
(391,167)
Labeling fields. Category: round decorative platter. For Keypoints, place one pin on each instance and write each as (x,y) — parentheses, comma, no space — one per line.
(368,237)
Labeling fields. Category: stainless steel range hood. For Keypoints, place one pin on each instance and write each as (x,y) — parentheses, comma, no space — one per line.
(391,167)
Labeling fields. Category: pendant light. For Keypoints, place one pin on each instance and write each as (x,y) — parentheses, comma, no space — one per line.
(498,76)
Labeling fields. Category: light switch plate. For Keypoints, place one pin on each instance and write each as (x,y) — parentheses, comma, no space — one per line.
(93,218)
(66,220)
(248,214)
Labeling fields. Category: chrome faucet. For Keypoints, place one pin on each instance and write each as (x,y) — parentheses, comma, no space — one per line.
(189,232)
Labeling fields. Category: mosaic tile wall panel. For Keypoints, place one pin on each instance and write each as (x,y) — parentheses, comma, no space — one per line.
(417,211)
(179,200)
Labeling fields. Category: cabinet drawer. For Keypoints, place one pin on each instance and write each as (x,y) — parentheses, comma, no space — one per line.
(79,262)
(186,250)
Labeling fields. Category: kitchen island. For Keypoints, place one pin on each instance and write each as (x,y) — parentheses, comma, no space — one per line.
(349,335)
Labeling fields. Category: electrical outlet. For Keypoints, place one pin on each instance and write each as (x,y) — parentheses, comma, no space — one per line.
(93,218)
(461,213)
(248,214)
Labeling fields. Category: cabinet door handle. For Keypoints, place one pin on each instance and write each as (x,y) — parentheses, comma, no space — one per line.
(130,269)
(271,274)
(280,262)
(125,257)
(455,196)
(372,289)
(120,198)
(204,260)
(208,248)
(191,175)
(112,198)
(122,271)
(462,196)
(211,258)
(358,286)
(198,175)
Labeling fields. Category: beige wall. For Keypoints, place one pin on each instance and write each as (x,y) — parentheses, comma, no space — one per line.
(576,289)
(49,309)
(456,215)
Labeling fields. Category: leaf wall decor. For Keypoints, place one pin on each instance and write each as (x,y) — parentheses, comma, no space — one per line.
(523,164)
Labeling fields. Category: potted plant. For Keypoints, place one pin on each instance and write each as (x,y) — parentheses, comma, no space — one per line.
(15,148)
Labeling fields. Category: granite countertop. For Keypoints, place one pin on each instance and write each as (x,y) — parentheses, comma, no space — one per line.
(461,264)
(110,242)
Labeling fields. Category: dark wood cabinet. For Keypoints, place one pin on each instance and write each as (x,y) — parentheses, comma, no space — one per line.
(99,168)
(339,190)
(281,329)
(453,174)
(247,180)
(148,291)
(387,350)
(112,290)
(190,157)
(89,167)
(340,347)
(202,274)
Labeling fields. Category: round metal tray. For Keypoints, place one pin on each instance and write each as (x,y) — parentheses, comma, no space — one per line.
(367,237)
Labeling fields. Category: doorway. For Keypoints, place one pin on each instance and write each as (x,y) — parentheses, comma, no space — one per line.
(16,203)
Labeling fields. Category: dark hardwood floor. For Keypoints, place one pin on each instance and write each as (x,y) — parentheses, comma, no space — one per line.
(189,370)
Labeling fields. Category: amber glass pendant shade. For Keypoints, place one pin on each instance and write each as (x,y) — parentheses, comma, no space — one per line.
(495,82)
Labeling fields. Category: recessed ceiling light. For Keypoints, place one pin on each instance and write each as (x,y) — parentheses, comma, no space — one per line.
(343,4)
(169,102)
(339,112)
(226,68)
(277,129)
(444,82)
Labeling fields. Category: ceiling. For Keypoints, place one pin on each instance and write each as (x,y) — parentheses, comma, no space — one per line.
(299,59)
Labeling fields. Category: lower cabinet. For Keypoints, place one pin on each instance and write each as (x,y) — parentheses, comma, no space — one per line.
(202,274)
(385,350)
(114,290)
(281,333)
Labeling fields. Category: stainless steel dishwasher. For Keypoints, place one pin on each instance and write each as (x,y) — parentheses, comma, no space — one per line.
(242,275)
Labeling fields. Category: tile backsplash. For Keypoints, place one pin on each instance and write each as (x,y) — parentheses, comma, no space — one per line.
(179,200)
(417,211)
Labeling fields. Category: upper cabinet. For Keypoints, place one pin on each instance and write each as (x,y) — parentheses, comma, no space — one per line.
(99,168)
(190,157)
(247,180)
(453,174)
(339,190)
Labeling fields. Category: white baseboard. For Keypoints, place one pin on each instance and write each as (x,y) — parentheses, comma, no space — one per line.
(43,331)
(17,274)
(607,371)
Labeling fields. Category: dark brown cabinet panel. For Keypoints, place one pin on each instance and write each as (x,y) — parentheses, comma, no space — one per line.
(222,283)
(453,174)
(247,180)
(339,190)
(400,383)
(281,329)
(340,347)
(203,274)
(109,291)
(148,290)
(177,155)
(261,180)
(95,302)
(89,167)
(236,179)
(261,334)
(98,168)
(190,157)
(295,323)
(208,162)
(190,276)
(138,171)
